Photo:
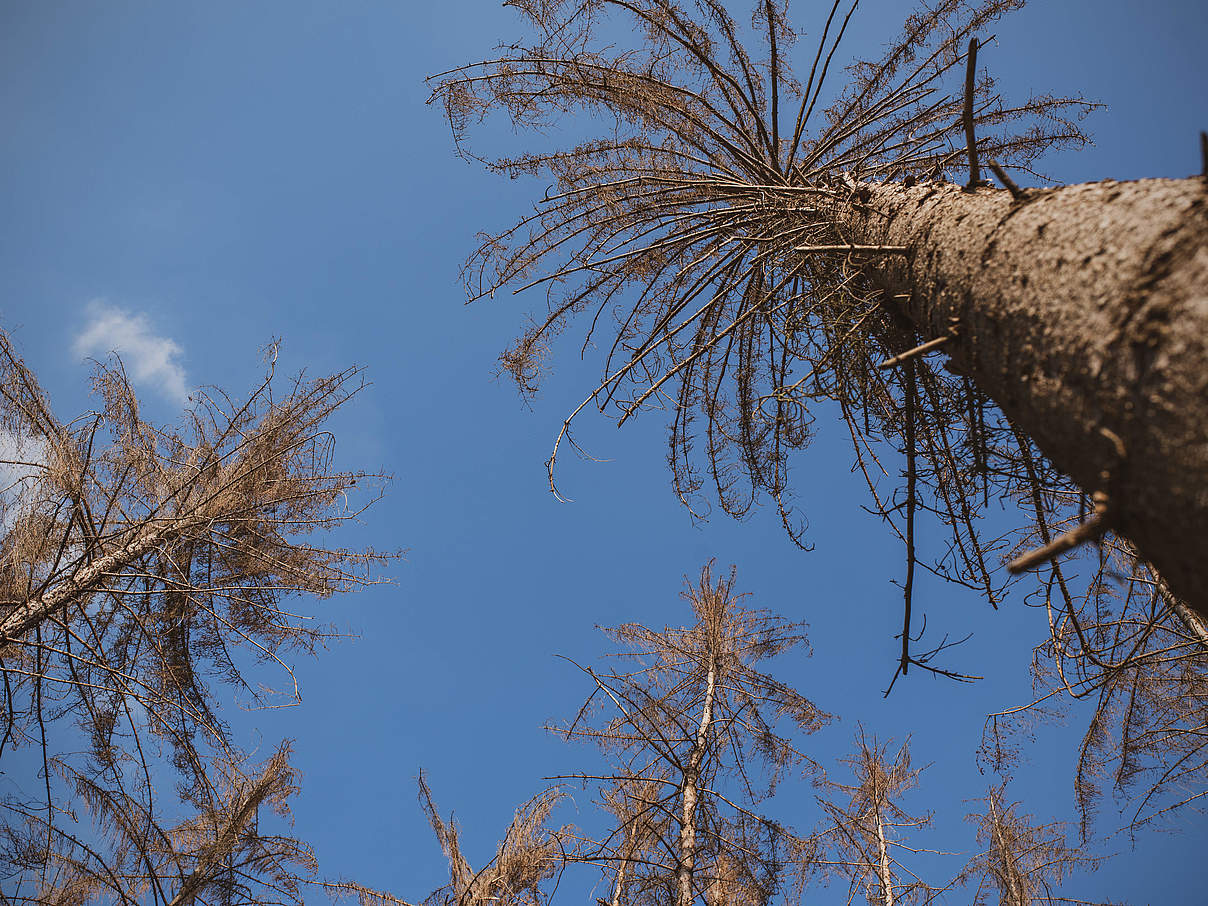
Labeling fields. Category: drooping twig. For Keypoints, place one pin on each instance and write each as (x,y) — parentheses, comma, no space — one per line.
(1093,528)
(911,500)
(1204,154)
(970,135)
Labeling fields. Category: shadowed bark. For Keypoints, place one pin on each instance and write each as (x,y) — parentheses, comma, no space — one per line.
(1083,313)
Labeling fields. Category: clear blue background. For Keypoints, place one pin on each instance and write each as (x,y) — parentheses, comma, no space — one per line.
(237,171)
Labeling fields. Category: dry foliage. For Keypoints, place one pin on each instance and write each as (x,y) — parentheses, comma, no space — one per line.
(219,855)
(528,857)
(1140,657)
(699,235)
(142,568)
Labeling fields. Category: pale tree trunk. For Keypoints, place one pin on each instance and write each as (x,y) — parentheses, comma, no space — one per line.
(88,579)
(884,870)
(618,890)
(1083,313)
(687,842)
(1014,889)
(1192,622)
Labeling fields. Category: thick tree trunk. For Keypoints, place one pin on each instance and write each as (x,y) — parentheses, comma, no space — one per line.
(1083,313)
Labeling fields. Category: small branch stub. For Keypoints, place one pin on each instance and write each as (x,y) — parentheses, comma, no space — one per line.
(914,353)
(864,249)
(1090,530)
(1016,192)
(923,348)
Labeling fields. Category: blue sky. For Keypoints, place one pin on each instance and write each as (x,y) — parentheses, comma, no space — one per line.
(185,182)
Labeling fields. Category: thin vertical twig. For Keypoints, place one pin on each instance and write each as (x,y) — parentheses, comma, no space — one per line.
(911,475)
(774,58)
(970,135)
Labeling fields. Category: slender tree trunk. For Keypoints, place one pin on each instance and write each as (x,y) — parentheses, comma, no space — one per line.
(1014,888)
(884,869)
(687,841)
(618,889)
(1083,313)
(88,579)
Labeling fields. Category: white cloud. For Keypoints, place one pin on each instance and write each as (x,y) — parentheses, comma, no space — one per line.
(149,358)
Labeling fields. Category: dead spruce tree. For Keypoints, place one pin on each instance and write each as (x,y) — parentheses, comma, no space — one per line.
(1022,861)
(142,568)
(689,728)
(218,854)
(867,829)
(760,251)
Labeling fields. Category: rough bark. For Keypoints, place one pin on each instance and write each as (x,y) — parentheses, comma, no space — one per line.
(1083,313)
